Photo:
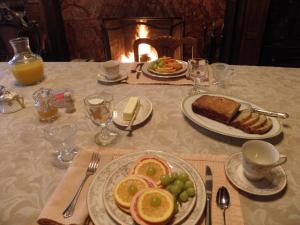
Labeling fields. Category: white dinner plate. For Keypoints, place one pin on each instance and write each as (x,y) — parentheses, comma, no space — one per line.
(95,200)
(273,183)
(220,128)
(176,74)
(144,112)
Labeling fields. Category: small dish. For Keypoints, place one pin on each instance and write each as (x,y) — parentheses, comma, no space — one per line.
(272,184)
(143,114)
(102,79)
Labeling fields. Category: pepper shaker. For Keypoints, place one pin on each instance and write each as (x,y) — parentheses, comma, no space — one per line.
(69,103)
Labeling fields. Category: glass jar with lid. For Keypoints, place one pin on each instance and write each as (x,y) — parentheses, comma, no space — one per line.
(26,66)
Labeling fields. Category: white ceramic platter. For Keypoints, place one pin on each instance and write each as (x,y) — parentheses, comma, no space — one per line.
(176,74)
(144,112)
(220,128)
(95,200)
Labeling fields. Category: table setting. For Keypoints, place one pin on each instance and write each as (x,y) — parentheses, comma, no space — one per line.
(211,147)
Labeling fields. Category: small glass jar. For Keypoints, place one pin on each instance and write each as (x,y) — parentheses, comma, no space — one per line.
(44,102)
(26,66)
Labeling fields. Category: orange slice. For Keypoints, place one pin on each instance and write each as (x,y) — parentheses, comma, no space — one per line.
(151,167)
(127,188)
(155,205)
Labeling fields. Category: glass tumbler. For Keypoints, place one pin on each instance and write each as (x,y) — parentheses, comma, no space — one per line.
(198,72)
(62,137)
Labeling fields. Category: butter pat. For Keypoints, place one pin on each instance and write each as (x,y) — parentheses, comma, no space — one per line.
(130,108)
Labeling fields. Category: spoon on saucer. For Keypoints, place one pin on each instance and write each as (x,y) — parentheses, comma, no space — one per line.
(223,200)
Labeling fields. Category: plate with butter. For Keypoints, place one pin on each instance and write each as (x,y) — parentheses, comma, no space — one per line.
(127,107)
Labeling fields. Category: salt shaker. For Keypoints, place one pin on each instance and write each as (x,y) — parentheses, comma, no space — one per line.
(69,103)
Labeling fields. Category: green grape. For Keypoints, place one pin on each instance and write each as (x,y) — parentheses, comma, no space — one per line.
(183,177)
(179,183)
(191,191)
(151,171)
(169,188)
(132,189)
(174,176)
(184,197)
(165,180)
(175,189)
(188,184)
(155,202)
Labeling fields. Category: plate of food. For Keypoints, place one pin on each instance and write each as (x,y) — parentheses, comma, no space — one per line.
(139,188)
(128,106)
(165,68)
(227,116)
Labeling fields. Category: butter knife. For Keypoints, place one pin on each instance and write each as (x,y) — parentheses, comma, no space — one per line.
(208,188)
(129,126)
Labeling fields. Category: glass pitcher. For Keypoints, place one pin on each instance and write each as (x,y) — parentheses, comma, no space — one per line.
(44,101)
(26,66)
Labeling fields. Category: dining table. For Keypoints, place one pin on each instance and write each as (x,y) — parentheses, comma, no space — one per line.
(29,174)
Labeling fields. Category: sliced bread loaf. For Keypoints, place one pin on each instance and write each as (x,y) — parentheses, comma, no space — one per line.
(243,116)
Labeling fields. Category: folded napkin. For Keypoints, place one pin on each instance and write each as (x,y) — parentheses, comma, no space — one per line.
(66,189)
(144,79)
(52,212)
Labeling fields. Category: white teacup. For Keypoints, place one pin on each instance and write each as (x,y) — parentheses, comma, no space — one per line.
(259,157)
(111,69)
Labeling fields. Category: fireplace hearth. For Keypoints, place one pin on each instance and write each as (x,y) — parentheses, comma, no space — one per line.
(120,33)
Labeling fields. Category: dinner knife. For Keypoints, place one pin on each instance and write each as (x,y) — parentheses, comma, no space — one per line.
(129,126)
(208,188)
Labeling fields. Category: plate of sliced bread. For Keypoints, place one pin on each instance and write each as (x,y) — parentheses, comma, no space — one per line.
(227,116)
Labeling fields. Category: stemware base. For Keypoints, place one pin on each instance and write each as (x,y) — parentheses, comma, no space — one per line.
(106,138)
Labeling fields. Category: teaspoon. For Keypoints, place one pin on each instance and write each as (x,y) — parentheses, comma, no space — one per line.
(223,200)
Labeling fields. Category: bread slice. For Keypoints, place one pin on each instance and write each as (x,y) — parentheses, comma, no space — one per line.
(216,108)
(242,116)
(259,123)
(252,120)
(265,128)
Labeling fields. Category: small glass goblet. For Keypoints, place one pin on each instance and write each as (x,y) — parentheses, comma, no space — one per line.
(198,72)
(62,137)
(99,111)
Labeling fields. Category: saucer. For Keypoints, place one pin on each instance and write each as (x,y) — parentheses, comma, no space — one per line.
(101,78)
(272,184)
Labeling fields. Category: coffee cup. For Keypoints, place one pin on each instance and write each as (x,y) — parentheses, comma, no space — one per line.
(259,157)
(111,69)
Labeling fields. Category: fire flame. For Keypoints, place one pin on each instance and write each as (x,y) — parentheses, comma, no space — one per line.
(144,49)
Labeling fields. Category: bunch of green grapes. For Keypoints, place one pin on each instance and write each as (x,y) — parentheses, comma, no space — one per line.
(179,185)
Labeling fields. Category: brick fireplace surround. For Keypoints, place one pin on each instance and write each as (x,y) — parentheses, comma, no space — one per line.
(82,20)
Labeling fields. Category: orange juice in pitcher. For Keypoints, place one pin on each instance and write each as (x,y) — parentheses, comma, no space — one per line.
(26,67)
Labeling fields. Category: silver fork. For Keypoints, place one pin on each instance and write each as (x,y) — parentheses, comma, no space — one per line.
(68,212)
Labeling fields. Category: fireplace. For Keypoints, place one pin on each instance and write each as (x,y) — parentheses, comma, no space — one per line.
(120,33)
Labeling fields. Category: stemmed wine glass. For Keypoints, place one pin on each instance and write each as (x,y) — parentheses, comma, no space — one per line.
(198,72)
(99,111)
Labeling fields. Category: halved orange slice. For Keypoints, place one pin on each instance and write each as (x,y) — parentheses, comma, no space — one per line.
(128,187)
(151,166)
(152,206)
